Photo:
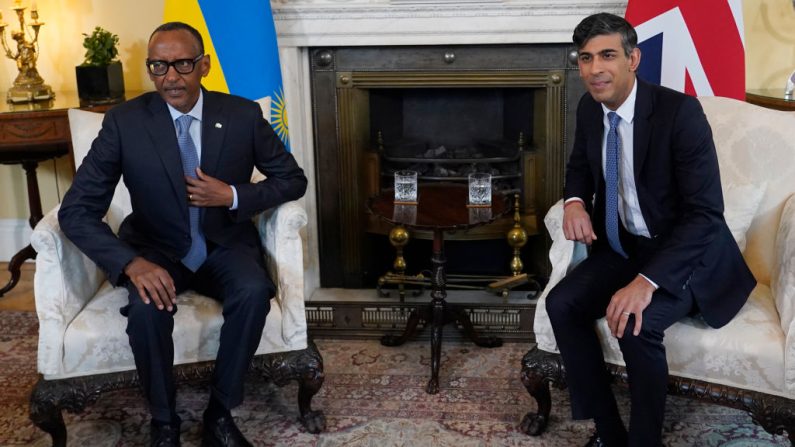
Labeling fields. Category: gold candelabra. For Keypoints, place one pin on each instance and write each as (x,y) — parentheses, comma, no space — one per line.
(28,86)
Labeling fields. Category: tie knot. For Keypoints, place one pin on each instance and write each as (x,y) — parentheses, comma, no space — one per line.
(183,123)
(613,118)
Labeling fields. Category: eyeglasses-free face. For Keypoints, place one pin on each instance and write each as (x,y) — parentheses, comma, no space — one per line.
(182,66)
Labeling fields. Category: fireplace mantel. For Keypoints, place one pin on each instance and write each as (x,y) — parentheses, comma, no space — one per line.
(305,23)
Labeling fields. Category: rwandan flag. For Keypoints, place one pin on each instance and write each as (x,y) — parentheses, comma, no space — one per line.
(241,40)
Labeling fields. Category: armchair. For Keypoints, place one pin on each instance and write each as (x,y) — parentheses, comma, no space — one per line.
(749,363)
(83,349)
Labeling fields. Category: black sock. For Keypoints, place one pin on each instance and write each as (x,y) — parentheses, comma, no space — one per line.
(216,409)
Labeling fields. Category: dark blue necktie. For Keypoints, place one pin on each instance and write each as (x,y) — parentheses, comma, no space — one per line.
(190,161)
(612,155)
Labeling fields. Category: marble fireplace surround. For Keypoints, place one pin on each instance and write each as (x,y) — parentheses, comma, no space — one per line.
(303,24)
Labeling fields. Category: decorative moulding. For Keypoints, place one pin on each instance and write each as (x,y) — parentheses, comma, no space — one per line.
(301,23)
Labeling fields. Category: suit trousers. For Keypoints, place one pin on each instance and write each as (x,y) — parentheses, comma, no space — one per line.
(574,305)
(239,281)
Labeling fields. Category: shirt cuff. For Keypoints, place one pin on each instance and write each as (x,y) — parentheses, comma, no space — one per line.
(573,199)
(650,281)
(234,198)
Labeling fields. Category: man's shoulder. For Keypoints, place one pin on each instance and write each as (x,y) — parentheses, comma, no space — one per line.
(135,105)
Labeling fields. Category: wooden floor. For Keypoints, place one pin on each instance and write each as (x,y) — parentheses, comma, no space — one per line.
(21,296)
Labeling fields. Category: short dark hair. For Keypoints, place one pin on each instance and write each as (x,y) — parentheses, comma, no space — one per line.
(602,24)
(174,26)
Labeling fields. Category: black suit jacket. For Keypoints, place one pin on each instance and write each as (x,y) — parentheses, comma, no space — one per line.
(138,144)
(678,184)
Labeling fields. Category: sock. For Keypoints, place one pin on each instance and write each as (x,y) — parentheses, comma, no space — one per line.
(216,409)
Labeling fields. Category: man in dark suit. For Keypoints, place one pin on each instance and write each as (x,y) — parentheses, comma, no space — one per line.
(643,190)
(186,156)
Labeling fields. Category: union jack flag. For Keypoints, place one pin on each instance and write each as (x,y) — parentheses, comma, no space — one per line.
(694,46)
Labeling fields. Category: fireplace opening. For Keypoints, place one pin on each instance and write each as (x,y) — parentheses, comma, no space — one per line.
(380,110)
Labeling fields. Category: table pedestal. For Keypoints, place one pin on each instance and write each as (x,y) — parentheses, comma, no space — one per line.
(439,313)
(34,202)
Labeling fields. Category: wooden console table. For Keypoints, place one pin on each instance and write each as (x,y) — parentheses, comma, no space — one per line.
(31,133)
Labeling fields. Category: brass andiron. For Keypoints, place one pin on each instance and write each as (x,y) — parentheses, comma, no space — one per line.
(28,86)
(517,238)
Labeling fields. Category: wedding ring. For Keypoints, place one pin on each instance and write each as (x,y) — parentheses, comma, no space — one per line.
(626,313)
(190,197)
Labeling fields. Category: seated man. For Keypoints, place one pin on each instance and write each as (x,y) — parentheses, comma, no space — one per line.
(660,247)
(186,156)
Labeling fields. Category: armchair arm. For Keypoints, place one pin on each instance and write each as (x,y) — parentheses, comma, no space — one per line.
(563,255)
(782,285)
(279,230)
(64,282)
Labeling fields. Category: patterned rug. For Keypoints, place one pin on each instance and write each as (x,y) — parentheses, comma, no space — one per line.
(372,396)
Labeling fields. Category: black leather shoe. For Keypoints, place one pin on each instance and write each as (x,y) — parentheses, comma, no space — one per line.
(164,435)
(595,441)
(222,432)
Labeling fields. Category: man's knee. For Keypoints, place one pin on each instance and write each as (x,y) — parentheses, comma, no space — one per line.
(558,304)
(254,295)
(141,315)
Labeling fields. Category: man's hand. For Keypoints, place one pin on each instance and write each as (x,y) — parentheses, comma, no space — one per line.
(631,300)
(577,223)
(208,191)
(153,282)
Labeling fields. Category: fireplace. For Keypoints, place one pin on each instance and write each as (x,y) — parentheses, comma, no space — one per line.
(445,112)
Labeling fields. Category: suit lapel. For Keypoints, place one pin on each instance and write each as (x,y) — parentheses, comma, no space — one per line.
(595,134)
(213,129)
(642,126)
(164,138)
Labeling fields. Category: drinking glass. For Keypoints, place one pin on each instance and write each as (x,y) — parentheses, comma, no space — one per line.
(479,189)
(406,187)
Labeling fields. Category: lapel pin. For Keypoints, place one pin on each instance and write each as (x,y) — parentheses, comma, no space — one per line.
(218,125)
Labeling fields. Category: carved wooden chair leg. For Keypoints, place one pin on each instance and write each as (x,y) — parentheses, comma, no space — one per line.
(304,366)
(773,413)
(539,369)
(45,412)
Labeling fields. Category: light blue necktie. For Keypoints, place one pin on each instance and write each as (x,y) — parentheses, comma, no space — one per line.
(611,184)
(190,161)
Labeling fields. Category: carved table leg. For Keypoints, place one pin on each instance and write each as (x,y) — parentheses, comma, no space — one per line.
(462,318)
(34,202)
(539,368)
(15,265)
(409,331)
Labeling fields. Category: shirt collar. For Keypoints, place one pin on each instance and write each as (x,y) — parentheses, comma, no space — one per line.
(195,112)
(626,110)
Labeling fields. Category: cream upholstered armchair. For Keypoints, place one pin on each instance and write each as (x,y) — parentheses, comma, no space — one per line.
(83,348)
(749,363)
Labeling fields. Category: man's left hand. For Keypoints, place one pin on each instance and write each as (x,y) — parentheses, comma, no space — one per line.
(631,300)
(208,191)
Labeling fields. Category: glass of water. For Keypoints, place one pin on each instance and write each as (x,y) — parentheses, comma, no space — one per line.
(479,189)
(406,187)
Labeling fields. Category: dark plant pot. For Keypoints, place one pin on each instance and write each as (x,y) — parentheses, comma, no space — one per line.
(100,85)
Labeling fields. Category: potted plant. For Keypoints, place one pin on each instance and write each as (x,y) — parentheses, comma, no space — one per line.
(99,78)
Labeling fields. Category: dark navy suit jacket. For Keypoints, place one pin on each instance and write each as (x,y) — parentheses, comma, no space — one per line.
(678,184)
(138,144)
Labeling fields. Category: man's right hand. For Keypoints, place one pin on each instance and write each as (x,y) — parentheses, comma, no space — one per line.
(153,282)
(577,223)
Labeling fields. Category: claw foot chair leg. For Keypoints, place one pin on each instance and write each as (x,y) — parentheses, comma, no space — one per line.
(306,367)
(539,369)
(46,415)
